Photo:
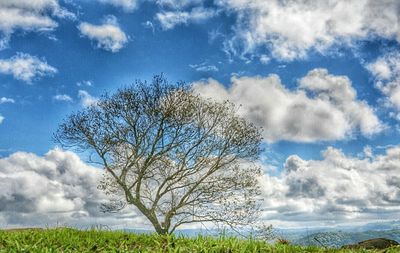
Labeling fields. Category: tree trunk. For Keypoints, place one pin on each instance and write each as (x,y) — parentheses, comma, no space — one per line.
(162,231)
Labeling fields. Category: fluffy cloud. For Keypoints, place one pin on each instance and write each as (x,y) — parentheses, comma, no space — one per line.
(58,183)
(62,97)
(339,92)
(333,190)
(386,70)
(86,98)
(291,28)
(108,35)
(323,107)
(170,19)
(264,59)
(26,68)
(29,15)
(57,188)
(127,5)
(4,100)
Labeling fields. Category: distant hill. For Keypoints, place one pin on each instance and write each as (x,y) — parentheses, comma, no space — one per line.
(329,236)
(340,238)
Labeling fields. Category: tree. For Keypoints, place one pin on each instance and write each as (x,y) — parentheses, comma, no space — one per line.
(177,157)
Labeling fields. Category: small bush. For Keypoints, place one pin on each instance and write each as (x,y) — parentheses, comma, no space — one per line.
(283,241)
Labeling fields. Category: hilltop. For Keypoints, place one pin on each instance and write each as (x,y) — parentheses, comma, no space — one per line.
(339,238)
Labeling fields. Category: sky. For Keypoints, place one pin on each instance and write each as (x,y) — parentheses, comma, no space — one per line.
(321,78)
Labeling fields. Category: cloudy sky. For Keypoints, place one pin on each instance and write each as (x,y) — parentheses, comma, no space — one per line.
(321,77)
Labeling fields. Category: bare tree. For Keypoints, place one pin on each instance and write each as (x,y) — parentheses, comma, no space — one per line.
(177,157)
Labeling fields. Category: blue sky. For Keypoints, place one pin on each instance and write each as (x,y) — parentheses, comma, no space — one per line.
(323,80)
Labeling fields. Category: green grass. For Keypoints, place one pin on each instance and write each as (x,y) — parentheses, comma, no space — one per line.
(71,240)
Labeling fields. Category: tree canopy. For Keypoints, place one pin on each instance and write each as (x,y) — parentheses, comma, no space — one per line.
(177,157)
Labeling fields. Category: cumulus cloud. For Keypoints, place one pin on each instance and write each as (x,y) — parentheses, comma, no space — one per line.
(30,15)
(108,35)
(57,188)
(86,99)
(58,183)
(289,29)
(4,100)
(264,59)
(323,107)
(127,5)
(336,189)
(1,119)
(26,68)
(62,97)
(339,91)
(170,19)
(386,70)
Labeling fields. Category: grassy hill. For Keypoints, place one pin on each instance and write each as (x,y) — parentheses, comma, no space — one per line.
(71,240)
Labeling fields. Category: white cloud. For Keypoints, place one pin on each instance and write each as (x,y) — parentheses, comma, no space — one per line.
(16,18)
(59,182)
(264,59)
(149,25)
(29,15)
(338,91)
(178,4)
(386,70)
(4,100)
(84,83)
(86,98)
(26,68)
(108,35)
(170,19)
(62,97)
(336,189)
(57,188)
(127,5)
(204,67)
(323,107)
(289,29)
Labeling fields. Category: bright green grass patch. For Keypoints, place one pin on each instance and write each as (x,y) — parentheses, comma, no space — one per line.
(71,240)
